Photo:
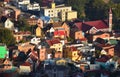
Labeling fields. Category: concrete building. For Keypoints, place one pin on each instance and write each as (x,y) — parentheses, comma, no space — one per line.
(61,11)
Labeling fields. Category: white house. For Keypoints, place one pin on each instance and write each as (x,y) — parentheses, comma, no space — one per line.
(25,68)
(23,2)
(34,6)
(9,24)
(35,40)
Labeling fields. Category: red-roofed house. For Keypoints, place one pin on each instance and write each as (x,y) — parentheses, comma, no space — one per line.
(33,55)
(55,44)
(60,33)
(106,49)
(93,26)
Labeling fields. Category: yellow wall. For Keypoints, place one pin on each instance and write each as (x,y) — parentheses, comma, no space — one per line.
(73,55)
(61,62)
(71,15)
(57,47)
(38,31)
(52,5)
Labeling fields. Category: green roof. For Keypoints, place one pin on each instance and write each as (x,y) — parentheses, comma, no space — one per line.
(3,51)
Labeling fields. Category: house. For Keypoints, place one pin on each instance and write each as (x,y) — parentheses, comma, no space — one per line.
(25,68)
(24,47)
(32,21)
(21,35)
(58,54)
(35,40)
(9,24)
(34,7)
(38,31)
(62,25)
(23,2)
(72,53)
(7,64)
(55,44)
(92,26)
(42,53)
(45,53)
(76,34)
(103,35)
(60,33)
(40,23)
(105,49)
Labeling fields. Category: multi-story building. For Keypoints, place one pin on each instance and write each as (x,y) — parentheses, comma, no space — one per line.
(61,11)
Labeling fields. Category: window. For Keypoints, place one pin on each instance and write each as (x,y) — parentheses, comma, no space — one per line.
(74,54)
(51,14)
(51,10)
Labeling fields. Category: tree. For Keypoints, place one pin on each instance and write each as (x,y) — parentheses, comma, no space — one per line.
(116,16)
(96,9)
(6,37)
(77,5)
(22,25)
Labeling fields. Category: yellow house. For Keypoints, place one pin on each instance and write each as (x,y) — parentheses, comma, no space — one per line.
(72,53)
(61,62)
(38,32)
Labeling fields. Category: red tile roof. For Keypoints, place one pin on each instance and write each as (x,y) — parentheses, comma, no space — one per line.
(61,32)
(33,54)
(73,48)
(26,64)
(22,33)
(53,41)
(83,39)
(98,24)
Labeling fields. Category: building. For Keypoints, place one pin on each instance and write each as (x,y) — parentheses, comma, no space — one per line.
(35,6)
(38,32)
(55,44)
(106,49)
(60,11)
(21,35)
(72,53)
(24,47)
(23,2)
(9,24)
(103,35)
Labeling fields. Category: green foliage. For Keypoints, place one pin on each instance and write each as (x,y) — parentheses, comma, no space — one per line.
(6,37)
(96,9)
(22,25)
(77,5)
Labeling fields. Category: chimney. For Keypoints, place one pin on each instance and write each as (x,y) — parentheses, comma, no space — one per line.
(110,20)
